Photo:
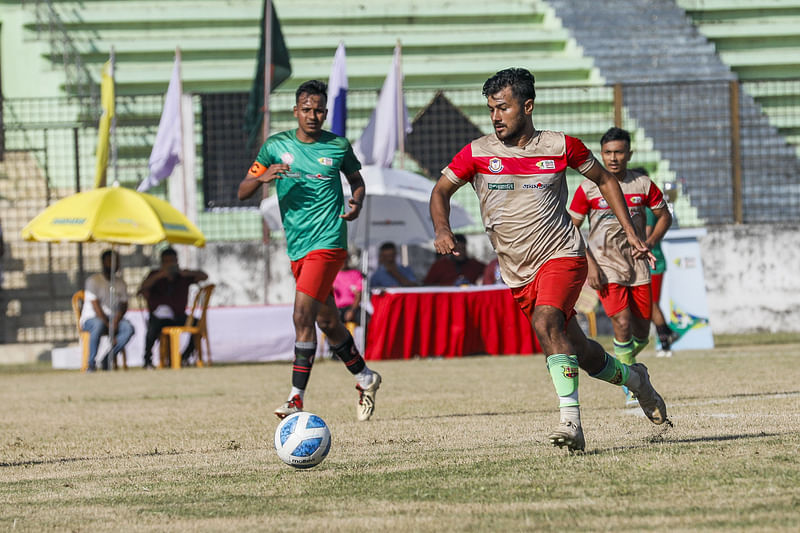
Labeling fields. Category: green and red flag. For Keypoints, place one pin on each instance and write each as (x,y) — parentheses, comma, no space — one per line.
(280,69)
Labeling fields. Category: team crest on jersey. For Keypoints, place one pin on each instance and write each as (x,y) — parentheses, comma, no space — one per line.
(287,158)
(495,165)
(636,200)
(327,161)
(546,164)
(602,204)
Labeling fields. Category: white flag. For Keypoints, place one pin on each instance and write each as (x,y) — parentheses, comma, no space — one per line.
(380,139)
(167,149)
(337,93)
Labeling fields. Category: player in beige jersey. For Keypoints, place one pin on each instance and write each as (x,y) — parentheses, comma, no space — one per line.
(518,174)
(622,281)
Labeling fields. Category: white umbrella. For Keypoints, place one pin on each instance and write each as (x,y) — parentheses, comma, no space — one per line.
(395,209)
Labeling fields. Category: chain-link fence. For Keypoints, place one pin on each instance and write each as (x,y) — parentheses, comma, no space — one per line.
(730,150)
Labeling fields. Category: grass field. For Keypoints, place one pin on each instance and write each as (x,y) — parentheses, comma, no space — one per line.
(455,445)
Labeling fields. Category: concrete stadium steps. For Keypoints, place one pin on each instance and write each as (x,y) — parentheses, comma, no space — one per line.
(681,126)
(219,41)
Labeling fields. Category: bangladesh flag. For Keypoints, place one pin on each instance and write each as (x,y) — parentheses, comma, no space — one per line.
(281,69)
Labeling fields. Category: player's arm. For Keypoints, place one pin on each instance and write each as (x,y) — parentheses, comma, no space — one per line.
(659,229)
(445,242)
(611,191)
(358,190)
(258,175)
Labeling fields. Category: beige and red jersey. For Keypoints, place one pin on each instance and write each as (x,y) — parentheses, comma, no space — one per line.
(523,196)
(607,240)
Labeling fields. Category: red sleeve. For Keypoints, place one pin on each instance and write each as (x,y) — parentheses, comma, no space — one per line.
(580,204)
(463,165)
(577,153)
(654,196)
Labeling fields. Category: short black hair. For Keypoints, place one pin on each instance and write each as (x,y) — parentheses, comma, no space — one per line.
(106,254)
(616,134)
(520,80)
(388,245)
(460,237)
(312,87)
(168,251)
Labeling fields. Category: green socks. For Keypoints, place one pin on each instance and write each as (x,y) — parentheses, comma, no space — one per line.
(614,371)
(625,351)
(639,344)
(564,373)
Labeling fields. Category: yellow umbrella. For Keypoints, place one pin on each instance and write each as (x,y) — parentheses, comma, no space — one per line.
(114,215)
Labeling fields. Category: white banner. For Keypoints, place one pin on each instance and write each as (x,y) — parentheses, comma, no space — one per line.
(683,293)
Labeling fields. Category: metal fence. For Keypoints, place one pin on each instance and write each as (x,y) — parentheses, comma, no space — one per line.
(731,150)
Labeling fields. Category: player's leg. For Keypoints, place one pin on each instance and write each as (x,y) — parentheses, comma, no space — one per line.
(305,344)
(615,301)
(343,345)
(665,335)
(601,365)
(552,296)
(640,304)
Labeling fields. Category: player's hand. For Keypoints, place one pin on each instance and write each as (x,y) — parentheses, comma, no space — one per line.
(445,242)
(596,279)
(641,251)
(355,209)
(274,172)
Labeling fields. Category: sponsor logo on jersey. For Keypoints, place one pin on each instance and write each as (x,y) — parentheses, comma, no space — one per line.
(291,174)
(317,177)
(501,186)
(546,164)
(602,204)
(327,161)
(287,158)
(539,186)
(636,199)
(495,165)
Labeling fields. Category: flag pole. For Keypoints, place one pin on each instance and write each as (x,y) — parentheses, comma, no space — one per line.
(180,93)
(113,126)
(401,127)
(265,126)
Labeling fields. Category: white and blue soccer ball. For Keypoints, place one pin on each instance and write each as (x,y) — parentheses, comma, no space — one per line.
(302,440)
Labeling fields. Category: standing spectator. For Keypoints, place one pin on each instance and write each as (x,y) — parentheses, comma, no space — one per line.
(389,273)
(347,288)
(102,310)
(305,164)
(166,291)
(457,268)
(519,175)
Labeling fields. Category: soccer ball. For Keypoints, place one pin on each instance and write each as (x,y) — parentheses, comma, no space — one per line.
(302,440)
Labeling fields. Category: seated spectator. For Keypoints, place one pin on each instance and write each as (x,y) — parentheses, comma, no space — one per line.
(102,309)
(457,268)
(347,293)
(166,290)
(491,274)
(389,273)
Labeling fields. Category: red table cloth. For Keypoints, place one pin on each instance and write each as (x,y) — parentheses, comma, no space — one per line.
(447,321)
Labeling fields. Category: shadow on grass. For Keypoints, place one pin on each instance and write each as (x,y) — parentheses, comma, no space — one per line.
(64,460)
(661,439)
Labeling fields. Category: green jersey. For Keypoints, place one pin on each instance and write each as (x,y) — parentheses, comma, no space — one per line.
(661,263)
(310,195)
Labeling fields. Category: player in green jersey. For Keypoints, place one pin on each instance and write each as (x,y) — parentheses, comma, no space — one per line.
(304,164)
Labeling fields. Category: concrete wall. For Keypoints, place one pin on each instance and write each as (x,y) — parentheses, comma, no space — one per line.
(751,279)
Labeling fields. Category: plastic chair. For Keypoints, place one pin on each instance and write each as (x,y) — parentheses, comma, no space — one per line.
(77,305)
(170,340)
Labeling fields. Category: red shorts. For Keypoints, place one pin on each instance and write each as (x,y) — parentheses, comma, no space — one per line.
(616,297)
(558,283)
(315,272)
(655,286)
